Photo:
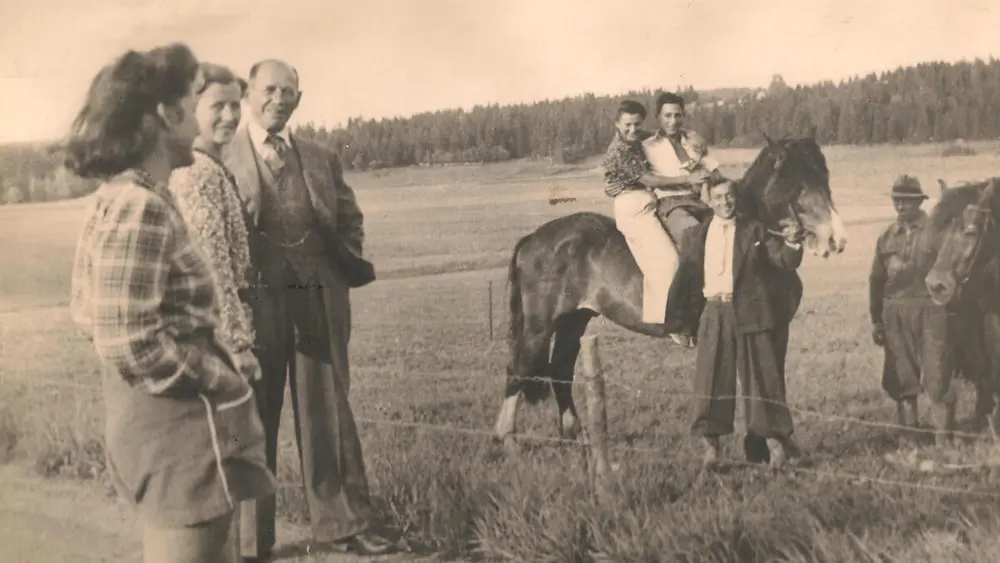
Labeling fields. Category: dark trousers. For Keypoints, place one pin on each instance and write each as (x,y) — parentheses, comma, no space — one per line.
(918,351)
(758,359)
(678,221)
(303,336)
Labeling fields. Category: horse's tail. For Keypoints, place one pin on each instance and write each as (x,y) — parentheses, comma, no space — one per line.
(518,380)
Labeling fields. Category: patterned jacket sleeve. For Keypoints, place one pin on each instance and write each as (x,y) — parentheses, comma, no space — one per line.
(200,195)
(131,262)
(80,282)
(620,172)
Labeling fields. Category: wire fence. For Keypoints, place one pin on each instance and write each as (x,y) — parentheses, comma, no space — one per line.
(666,454)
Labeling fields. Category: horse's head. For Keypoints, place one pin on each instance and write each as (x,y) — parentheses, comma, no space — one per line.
(964,222)
(789,182)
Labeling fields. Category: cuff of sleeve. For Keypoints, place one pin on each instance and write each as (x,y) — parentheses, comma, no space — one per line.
(793,245)
(185,382)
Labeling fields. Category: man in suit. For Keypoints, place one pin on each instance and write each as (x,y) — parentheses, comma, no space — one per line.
(727,265)
(307,249)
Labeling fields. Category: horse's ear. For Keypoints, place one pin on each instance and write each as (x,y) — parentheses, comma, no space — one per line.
(812,132)
(943,187)
(766,138)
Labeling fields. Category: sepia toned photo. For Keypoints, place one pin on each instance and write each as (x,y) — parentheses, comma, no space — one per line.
(442,280)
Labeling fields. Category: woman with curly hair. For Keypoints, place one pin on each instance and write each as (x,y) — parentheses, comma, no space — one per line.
(183,436)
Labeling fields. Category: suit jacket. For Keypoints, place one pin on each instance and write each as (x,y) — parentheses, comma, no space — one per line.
(340,220)
(757,255)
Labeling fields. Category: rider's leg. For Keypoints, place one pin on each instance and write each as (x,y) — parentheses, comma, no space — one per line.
(652,249)
(680,220)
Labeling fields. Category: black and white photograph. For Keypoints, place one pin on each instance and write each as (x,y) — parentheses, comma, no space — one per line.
(568,281)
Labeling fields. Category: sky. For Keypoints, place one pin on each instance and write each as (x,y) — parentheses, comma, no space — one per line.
(380,58)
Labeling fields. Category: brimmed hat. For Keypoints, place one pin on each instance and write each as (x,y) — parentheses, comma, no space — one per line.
(907,187)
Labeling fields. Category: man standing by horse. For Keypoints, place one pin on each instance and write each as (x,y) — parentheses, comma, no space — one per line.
(307,247)
(912,329)
(727,265)
(630,182)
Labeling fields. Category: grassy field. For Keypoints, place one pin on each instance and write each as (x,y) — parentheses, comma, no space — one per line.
(427,381)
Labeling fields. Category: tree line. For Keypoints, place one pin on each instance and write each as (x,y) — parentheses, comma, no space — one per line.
(932,101)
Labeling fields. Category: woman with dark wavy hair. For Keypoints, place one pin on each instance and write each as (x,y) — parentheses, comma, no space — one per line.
(183,436)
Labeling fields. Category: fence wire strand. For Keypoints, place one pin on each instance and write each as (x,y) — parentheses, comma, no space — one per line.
(664,455)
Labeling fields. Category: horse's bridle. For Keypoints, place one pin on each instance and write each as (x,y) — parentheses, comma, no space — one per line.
(967,265)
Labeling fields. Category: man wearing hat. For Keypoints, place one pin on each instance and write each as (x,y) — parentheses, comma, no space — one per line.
(911,328)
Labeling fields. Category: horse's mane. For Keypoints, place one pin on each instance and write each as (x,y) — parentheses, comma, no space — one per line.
(802,157)
(953,202)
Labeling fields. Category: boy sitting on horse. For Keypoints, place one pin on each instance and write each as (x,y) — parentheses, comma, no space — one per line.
(678,153)
(630,181)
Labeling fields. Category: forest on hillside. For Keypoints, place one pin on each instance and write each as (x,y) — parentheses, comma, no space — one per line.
(932,101)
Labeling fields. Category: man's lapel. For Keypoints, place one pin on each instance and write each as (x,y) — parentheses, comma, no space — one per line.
(701,239)
(242,162)
(742,241)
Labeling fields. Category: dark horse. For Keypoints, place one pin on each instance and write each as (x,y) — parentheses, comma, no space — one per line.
(966,278)
(578,267)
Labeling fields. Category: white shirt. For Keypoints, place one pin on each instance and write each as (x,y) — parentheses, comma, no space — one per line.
(663,159)
(719,256)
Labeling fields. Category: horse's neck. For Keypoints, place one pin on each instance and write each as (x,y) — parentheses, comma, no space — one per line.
(983,288)
(752,190)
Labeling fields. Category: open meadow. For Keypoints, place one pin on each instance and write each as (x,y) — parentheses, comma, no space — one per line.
(427,383)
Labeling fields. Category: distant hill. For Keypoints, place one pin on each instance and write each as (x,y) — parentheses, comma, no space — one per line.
(933,101)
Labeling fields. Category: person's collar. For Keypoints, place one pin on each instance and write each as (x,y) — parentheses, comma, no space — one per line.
(716,218)
(258,134)
(661,134)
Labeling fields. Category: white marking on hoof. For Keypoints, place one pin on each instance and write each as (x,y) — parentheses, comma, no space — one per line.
(839,231)
(511,446)
(507,419)
(570,426)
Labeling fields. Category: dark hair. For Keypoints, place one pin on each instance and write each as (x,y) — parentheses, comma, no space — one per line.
(118,128)
(631,107)
(256,66)
(211,73)
(668,98)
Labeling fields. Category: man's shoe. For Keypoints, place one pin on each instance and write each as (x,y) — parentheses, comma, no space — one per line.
(755,449)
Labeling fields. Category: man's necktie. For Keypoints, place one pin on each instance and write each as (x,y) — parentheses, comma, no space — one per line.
(276,156)
(725,225)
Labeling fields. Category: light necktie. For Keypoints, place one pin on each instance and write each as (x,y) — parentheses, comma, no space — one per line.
(725,226)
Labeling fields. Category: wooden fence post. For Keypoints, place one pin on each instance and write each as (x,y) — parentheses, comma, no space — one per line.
(489,298)
(597,415)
